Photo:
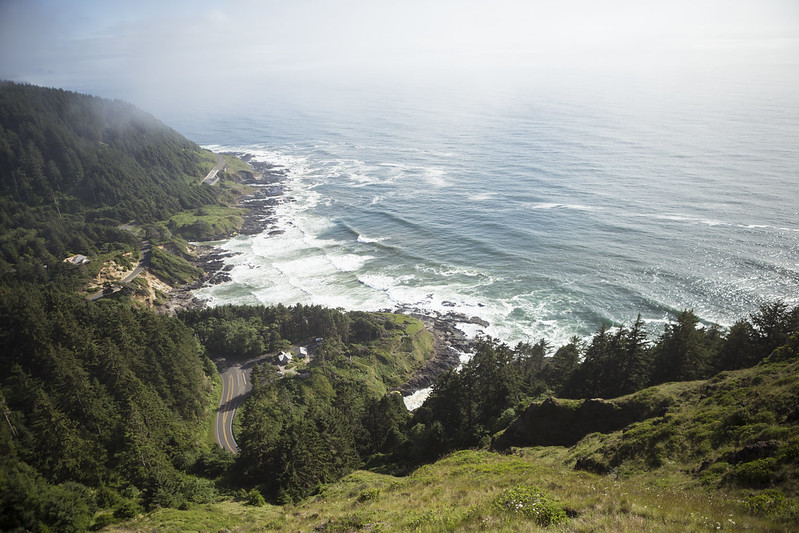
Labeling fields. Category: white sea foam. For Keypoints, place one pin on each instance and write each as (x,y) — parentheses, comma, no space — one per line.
(766,226)
(383,282)
(349,262)
(450,271)
(471,330)
(691,219)
(369,240)
(533,280)
(437,177)
(415,400)
(551,205)
(481,196)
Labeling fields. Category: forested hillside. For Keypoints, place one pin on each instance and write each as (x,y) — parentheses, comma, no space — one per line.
(337,412)
(104,407)
(74,168)
(107,407)
(466,408)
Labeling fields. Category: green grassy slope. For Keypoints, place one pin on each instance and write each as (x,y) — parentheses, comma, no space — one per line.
(390,360)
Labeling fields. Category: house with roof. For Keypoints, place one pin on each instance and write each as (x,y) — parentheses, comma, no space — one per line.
(284,358)
(77,259)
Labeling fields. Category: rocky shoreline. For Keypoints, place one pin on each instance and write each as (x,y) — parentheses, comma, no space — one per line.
(449,343)
(267,182)
(268,192)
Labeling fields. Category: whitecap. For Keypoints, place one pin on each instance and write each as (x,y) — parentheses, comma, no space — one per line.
(550,205)
(471,330)
(436,177)
(368,240)
(691,219)
(383,282)
(451,271)
(481,197)
(349,262)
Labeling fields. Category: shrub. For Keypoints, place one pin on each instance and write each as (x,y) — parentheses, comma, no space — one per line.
(714,473)
(126,509)
(198,490)
(254,497)
(532,503)
(369,495)
(102,520)
(789,452)
(755,473)
(767,503)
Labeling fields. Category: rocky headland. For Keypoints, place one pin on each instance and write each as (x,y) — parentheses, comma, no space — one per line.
(449,343)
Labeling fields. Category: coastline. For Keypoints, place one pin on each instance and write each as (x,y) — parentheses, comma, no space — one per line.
(267,183)
(449,344)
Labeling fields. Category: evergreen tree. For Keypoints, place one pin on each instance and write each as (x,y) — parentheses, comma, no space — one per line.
(682,352)
(773,324)
(739,349)
(635,361)
(564,363)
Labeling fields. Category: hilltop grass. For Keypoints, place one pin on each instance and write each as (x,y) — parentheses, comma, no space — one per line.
(208,161)
(213,221)
(207,222)
(471,490)
(234,164)
(218,516)
(734,430)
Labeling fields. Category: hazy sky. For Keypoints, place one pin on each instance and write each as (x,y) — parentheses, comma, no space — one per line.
(172,47)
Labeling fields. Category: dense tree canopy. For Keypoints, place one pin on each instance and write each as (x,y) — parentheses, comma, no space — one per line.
(94,396)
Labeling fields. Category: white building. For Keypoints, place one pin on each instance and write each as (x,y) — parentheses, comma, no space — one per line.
(77,259)
(284,358)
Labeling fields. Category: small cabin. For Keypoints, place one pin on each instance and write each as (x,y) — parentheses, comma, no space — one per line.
(303,352)
(284,358)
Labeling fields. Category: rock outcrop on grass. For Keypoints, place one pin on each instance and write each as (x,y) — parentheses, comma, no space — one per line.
(558,422)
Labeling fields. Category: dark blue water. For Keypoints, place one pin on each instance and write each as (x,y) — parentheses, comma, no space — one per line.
(544,208)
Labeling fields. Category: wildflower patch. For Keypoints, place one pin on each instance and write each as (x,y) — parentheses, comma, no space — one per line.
(533,503)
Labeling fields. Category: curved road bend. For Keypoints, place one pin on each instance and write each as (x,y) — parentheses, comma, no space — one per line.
(211,178)
(235,386)
(144,263)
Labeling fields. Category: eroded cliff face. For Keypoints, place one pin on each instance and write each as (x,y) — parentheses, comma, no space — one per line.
(557,422)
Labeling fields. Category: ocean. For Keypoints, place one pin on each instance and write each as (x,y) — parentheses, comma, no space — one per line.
(544,206)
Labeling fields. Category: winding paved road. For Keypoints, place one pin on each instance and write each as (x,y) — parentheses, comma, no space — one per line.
(144,263)
(235,387)
(211,178)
